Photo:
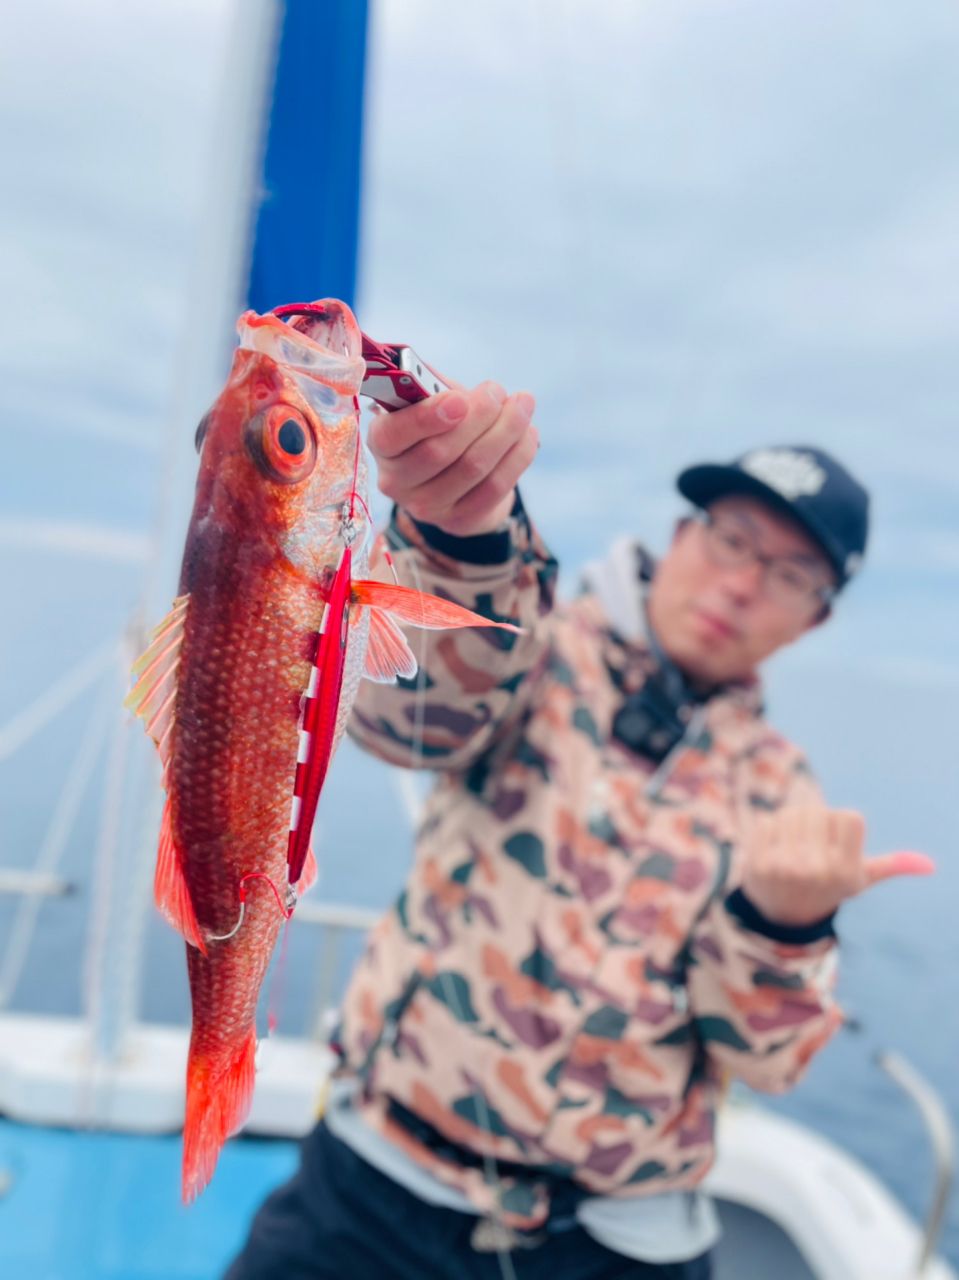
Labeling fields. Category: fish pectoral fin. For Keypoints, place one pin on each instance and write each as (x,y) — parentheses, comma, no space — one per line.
(387,653)
(153,695)
(170,889)
(419,609)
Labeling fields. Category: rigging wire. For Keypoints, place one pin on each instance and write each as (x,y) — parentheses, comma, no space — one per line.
(53,846)
(103,907)
(55,698)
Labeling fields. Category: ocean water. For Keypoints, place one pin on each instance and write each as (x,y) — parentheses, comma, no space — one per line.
(670,232)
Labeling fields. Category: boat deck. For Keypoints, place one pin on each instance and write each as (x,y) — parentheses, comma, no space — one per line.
(78,1205)
(105,1206)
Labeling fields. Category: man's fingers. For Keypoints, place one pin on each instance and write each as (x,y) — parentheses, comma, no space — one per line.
(478,461)
(496,487)
(851,832)
(430,457)
(904,863)
(431,454)
(454,460)
(391,434)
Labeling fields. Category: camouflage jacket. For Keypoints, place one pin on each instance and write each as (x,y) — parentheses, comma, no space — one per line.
(570,971)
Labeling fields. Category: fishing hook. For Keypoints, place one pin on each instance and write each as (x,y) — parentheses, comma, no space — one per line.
(286,909)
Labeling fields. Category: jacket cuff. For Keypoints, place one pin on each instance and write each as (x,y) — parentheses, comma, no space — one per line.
(750,917)
(495,547)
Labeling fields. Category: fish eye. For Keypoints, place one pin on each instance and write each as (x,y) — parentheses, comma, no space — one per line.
(291,437)
(281,443)
(201,432)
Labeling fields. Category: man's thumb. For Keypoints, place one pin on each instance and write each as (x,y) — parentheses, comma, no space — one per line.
(906,862)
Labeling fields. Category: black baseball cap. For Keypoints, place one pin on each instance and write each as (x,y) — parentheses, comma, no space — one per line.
(803,482)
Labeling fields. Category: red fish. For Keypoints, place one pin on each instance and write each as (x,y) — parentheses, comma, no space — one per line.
(248,682)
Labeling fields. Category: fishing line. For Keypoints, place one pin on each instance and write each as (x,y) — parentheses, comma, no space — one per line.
(651,788)
(356,463)
(491,1174)
(490,1169)
(278,981)
(280,972)
(366,509)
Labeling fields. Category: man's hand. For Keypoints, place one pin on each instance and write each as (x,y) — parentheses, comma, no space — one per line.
(453,460)
(800,863)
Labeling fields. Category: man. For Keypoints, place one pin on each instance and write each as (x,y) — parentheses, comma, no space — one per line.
(625,880)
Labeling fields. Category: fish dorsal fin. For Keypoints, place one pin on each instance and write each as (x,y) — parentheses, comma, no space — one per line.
(387,653)
(153,696)
(419,609)
(153,699)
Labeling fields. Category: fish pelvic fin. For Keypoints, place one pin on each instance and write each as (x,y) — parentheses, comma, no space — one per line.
(153,696)
(309,874)
(170,889)
(388,654)
(219,1092)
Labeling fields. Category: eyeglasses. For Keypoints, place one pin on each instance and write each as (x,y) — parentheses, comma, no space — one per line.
(787,583)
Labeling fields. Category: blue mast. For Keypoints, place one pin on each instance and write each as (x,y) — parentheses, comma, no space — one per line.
(305,245)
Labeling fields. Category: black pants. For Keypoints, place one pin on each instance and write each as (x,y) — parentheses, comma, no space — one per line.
(340,1217)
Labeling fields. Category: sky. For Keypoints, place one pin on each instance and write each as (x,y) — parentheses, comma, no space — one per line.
(712,226)
(689,228)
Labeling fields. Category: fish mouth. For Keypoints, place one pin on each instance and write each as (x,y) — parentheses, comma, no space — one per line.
(316,341)
(328,322)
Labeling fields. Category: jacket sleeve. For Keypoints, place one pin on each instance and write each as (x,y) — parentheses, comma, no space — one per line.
(473,682)
(761,993)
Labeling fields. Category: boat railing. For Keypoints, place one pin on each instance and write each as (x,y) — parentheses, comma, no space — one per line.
(942,1138)
(336,920)
(57,1071)
(43,879)
(34,884)
(70,1061)
(118,891)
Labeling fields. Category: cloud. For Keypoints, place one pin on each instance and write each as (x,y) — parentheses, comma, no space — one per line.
(883,291)
(689,229)
(97,542)
(108,110)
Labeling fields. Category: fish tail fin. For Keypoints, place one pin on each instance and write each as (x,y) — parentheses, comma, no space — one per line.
(219,1092)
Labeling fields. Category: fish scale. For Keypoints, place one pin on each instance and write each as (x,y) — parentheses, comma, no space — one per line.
(281,494)
(234,758)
